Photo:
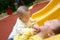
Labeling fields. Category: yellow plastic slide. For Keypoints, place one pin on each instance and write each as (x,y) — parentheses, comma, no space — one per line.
(49,12)
(56,37)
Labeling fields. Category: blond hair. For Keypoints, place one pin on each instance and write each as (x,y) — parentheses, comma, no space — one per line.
(22,10)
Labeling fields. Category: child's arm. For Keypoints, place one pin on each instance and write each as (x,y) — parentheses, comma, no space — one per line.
(25,36)
(29,35)
(35,25)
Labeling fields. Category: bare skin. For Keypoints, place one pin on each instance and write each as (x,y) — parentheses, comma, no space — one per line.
(25,17)
(47,28)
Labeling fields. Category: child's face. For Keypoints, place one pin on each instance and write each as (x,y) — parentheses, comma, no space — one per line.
(47,31)
(49,26)
(25,17)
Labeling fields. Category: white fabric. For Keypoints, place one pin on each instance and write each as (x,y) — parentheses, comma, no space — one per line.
(19,27)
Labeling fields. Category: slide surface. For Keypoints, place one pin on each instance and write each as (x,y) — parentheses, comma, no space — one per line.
(49,12)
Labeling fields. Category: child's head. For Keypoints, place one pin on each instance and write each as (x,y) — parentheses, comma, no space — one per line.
(24,13)
(51,27)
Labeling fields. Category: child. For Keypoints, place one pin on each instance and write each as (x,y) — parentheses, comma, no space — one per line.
(22,23)
(50,28)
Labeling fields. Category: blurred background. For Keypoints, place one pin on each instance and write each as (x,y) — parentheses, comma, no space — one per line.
(8,15)
(8,7)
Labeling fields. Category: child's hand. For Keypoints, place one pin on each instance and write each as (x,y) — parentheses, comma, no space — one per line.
(36,28)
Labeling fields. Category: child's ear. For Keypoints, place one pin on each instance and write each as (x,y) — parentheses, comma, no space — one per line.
(51,34)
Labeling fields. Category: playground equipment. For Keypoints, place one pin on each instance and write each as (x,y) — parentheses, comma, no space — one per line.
(49,12)
(56,37)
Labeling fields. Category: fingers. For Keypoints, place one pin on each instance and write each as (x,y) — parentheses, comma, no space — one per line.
(36,27)
(51,34)
(35,31)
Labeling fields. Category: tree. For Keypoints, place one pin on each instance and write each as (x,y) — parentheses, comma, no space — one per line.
(5,4)
(9,4)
